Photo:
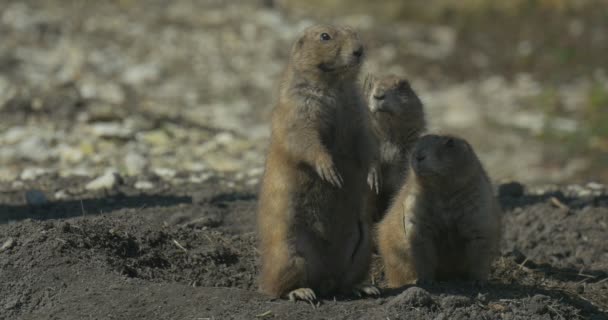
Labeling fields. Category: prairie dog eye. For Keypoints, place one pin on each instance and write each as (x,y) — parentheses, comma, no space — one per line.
(449,143)
(325,36)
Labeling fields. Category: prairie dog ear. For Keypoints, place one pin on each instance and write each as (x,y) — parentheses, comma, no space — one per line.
(368,83)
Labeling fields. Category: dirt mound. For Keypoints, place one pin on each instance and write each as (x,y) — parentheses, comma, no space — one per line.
(187,251)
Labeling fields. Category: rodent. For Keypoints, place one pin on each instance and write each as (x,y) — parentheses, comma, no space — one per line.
(398,120)
(445,223)
(314,234)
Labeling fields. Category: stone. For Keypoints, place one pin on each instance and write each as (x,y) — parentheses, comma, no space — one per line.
(455,301)
(511,189)
(61,195)
(33,173)
(9,243)
(111,130)
(135,163)
(107,181)
(36,198)
(144,185)
(70,154)
(141,74)
(165,173)
(35,149)
(155,138)
(7,174)
(412,297)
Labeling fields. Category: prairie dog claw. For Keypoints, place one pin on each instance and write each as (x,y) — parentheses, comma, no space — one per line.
(368,290)
(304,294)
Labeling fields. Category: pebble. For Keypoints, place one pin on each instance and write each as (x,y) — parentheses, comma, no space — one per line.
(135,163)
(412,297)
(144,185)
(511,189)
(36,198)
(140,74)
(61,195)
(455,301)
(111,130)
(165,173)
(35,149)
(33,173)
(9,243)
(7,174)
(107,181)
(158,138)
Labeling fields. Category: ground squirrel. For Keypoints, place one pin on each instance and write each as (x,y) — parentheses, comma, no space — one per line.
(398,121)
(314,233)
(445,222)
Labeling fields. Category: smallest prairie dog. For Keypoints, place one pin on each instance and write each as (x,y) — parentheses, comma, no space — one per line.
(398,121)
(445,222)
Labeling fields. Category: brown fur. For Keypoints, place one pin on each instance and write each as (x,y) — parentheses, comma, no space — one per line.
(445,222)
(313,232)
(398,121)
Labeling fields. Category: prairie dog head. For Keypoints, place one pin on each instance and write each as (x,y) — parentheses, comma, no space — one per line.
(391,96)
(444,159)
(328,50)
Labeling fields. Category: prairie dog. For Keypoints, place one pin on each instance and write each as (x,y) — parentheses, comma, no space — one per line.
(398,121)
(445,222)
(314,233)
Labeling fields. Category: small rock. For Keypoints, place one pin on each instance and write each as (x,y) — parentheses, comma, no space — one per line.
(144,185)
(61,194)
(106,181)
(595,186)
(412,297)
(210,221)
(497,307)
(538,304)
(157,138)
(140,74)
(7,174)
(35,149)
(511,189)
(9,243)
(223,163)
(17,184)
(36,198)
(165,173)
(15,134)
(135,163)
(12,303)
(111,130)
(256,172)
(66,227)
(482,297)
(70,154)
(199,178)
(517,256)
(32,173)
(452,302)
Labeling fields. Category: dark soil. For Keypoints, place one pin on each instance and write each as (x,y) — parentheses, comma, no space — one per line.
(188,252)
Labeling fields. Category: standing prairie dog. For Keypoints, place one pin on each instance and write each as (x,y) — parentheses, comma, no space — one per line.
(445,222)
(314,234)
(398,121)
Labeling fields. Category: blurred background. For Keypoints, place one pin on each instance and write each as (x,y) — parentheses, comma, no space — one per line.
(184,88)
